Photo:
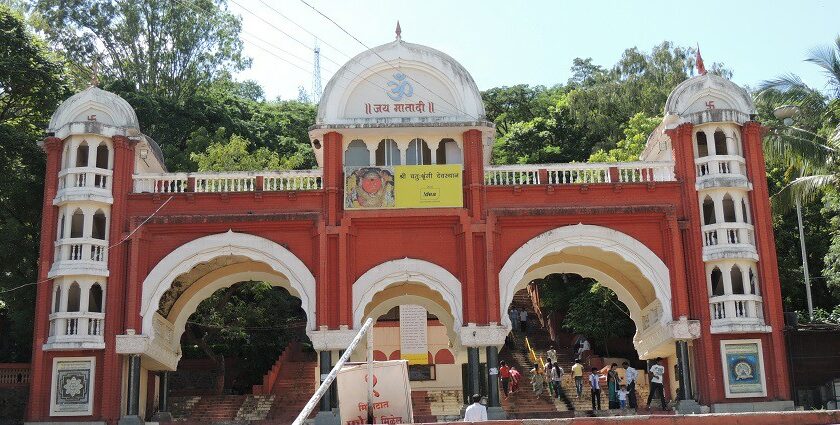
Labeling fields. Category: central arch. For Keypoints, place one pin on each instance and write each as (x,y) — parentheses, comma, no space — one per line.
(258,259)
(620,262)
(438,290)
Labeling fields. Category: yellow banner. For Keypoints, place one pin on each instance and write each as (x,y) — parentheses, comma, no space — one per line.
(428,186)
(415,358)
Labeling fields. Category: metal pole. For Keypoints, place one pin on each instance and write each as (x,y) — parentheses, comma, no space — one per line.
(326,365)
(804,261)
(325,386)
(370,374)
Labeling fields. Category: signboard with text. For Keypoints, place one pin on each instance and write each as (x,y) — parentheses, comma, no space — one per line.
(404,186)
(413,335)
(391,393)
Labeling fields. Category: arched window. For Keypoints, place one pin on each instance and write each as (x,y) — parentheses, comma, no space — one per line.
(98,230)
(728,209)
(95,299)
(702,145)
(77,224)
(753,282)
(744,212)
(82,153)
(61,226)
(102,156)
(74,297)
(357,154)
(387,153)
(448,152)
(720,143)
(57,299)
(708,210)
(717,282)
(418,153)
(737,280)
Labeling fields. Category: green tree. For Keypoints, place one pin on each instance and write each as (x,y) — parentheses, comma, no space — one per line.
(636,133)
(233,155)
(159,46)
(599,315)
(31,85)
(808,152)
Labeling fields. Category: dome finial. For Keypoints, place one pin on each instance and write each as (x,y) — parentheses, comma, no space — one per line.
(701,69)
(399,30)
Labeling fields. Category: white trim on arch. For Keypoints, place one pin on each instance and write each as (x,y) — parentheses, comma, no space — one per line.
(206,248)
(584,235)
(423,272)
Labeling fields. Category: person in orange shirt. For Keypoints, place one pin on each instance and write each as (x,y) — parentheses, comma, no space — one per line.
(504,376)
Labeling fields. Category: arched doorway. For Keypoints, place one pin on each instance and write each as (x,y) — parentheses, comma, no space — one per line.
(621,264)
(219,264)
(418,310)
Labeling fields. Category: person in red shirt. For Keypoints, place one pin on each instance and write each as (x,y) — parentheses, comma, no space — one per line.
(515,376)
(504,375)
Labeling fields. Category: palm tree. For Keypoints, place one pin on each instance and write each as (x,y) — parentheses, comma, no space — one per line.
(812,146)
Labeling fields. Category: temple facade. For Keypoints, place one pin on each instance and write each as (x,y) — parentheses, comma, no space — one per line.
(405,209)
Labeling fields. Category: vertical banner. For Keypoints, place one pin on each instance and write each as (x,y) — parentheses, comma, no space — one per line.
(743,365)
(72,386)
(391,393)
(413,334)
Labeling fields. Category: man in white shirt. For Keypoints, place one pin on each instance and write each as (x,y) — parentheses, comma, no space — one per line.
(630,376)
(551,354)
(595,384)
(657,373)
(523,320)
(476,412)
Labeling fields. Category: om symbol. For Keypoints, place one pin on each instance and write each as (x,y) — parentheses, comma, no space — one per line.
(399,87)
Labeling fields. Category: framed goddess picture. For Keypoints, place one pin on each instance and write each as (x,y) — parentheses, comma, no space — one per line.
(743,365)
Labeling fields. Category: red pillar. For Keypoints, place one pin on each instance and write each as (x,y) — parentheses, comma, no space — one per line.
(332,279)
(39,390)
(768,268)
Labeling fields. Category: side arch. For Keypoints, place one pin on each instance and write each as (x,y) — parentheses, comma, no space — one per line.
(205,249)
(408,270)
(516,268)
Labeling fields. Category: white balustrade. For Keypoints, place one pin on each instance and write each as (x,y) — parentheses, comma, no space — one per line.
(511,175)
(578,173)
(75,326)
(85,177)
(293,180)
(225,182)
(645,172)
(719,234)
(160,183)
(737,307)
(245,181)
(719,164)
(582,173)
(82,249)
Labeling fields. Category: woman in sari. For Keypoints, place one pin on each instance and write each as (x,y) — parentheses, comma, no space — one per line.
(614,384)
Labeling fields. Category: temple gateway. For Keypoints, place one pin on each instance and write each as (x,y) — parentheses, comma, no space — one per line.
(406,221)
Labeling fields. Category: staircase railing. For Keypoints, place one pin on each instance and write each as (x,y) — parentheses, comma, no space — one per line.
(534,293)
(538,360)
(325,386)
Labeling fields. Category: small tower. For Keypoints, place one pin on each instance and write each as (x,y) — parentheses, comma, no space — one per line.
(316,74)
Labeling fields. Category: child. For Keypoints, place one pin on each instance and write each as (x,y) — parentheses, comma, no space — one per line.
(622,396)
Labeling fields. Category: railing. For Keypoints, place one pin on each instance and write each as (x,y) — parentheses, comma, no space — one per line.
(77,324)
(728,234)
(85,177)
(14,374)
(82,249)
(229,182)
(737,306)
(578,173)
(719,164)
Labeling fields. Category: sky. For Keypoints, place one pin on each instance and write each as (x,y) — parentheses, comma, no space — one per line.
(534,42)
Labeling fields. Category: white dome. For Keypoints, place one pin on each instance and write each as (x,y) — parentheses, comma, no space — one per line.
(440,87)
(105,107)
(708,98)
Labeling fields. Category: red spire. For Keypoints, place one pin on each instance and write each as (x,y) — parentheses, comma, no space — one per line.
(701,69)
